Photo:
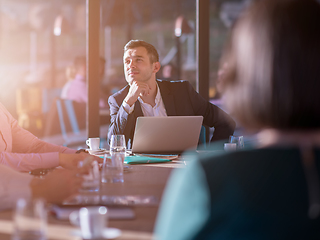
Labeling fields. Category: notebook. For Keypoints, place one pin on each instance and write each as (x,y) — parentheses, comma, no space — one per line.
(166,135)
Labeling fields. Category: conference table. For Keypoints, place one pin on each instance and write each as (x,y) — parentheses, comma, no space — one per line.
(139,180)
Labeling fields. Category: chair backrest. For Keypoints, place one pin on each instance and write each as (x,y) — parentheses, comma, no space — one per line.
(48,97)
(72,120)
(71,115)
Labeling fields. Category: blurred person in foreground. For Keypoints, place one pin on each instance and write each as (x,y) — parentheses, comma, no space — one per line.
(76,89)
(22,151)
(147,96)
(54,187)
(271,86)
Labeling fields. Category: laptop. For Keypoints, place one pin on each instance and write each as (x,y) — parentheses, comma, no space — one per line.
(166,135)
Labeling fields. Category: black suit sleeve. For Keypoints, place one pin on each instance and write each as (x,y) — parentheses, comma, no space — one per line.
(121,122)
(213,116)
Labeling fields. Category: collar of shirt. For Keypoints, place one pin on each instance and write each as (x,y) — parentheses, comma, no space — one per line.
(158,110)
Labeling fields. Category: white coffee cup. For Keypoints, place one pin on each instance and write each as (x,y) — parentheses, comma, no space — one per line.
(230,146)
(93,143)
(92,221)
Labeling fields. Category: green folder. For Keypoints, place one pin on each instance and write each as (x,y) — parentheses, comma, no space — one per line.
(143,160)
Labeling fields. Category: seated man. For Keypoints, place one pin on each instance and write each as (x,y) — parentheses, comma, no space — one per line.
(22,151)
(146,96)
(76,89)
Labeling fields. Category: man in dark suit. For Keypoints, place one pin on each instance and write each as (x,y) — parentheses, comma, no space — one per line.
(146,96)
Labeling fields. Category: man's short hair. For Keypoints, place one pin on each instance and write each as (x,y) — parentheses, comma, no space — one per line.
(152,51)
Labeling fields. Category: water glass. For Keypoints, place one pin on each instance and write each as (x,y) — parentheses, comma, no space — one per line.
(91,181)
(30,220)
(117,143)
(112,169)
(238,140)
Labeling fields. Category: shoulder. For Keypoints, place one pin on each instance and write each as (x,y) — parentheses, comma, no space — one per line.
(2,108)
(175,86)
(172,83)
(221,164)
(77,82)
(120,95)
(220,156)
(4,111)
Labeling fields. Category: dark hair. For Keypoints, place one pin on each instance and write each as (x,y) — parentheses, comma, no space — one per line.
(152,51)
(273,75)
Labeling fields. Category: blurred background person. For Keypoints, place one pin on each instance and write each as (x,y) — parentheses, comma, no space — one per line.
(70,75)
(271,86)
(169,72)
(76,89)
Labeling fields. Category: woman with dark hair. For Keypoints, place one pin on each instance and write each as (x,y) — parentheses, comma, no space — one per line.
(272,87)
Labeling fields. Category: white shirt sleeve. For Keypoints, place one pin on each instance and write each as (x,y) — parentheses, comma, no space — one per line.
(13,185)
(127,107)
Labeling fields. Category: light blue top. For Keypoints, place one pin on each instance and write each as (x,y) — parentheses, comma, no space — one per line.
(185,206)
(249,194)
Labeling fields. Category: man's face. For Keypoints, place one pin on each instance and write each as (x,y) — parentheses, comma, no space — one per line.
(137,65)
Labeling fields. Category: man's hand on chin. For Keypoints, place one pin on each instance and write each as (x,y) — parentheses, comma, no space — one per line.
(137,89)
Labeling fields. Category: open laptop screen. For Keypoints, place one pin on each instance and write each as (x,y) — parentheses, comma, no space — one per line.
(166,135)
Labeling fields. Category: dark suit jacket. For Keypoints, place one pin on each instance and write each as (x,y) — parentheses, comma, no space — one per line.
(180,99)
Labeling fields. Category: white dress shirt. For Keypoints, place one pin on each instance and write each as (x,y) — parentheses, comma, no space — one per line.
(148,111)
(13,185)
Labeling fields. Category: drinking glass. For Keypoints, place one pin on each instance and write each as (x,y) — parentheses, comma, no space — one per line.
(30,220)
(91,180)
(117,143)
(238,140)
(112,169)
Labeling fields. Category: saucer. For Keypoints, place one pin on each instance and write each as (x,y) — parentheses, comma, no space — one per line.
(97,151)
(108,233)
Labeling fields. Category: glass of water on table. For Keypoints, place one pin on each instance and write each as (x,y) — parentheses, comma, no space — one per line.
(117,144)
(238,140)
(112,170)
